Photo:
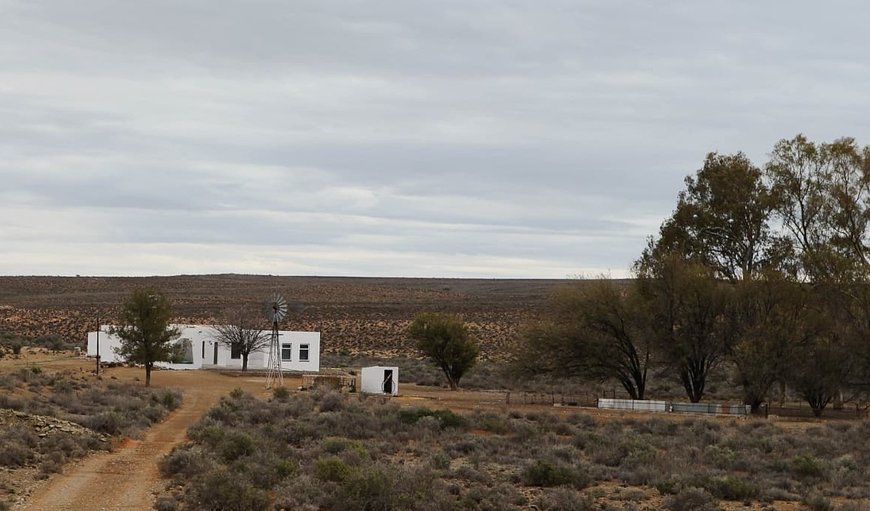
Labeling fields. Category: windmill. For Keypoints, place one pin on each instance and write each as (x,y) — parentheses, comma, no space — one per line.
(276,309)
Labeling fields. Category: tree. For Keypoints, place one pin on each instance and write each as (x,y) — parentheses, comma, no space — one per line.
(821,195)
(822,198)
(445,340)
(687,310)
(721,220)
(771,323)
(822,370)
(597,331)
(144,330)
(241,331)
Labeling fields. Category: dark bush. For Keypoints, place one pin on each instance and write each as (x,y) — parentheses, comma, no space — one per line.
(332,468)
(235,445)
(807,466)
(546,473)
(281,393)
(14,454)
(691,499)
(564,499)
(221,490)
(184,462)
(446,418)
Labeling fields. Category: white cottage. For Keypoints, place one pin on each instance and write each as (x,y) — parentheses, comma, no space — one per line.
(300,351)
(380,380)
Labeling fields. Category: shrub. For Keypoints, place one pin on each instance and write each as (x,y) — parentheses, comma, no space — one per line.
(446,418)
(108,423)
(331,402)
(807,466)
(732,488)
(546,473)
(13,454)
(490,422)
(367,490)
(691,499)
(235,445)
(281,393)
(564,499)
(183,462)
(818,503)
(171,399)
(165,503)
(332,468)
(221,489)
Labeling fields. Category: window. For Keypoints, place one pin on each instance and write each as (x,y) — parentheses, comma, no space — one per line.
(235,350)
(286,352)
(203,349)
(184,355)
(303,353)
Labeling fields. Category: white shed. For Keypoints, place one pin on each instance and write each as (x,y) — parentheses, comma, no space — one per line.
(300,351)
(380,380)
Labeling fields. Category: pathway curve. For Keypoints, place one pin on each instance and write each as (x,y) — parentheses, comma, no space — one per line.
(128,477)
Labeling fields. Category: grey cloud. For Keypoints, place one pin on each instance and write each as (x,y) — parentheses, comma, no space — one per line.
(535,139)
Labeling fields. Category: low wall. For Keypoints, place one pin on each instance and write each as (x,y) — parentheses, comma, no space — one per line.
(633,404)
(666,406)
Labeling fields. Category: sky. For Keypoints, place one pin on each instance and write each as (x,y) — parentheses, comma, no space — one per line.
(455,138)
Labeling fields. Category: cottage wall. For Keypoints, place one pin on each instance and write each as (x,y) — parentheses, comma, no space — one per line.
(204,352)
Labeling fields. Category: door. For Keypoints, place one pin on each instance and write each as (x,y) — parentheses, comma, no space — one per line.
(388,381)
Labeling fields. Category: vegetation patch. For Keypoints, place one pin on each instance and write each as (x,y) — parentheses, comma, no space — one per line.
(287,453)
(48,420)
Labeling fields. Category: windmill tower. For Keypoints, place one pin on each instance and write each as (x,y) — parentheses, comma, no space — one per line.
(276,309)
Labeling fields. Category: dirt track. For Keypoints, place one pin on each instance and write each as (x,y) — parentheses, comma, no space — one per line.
(127,478)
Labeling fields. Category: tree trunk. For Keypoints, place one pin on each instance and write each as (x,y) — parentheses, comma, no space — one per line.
(244,361)
(147,375)
(450,381)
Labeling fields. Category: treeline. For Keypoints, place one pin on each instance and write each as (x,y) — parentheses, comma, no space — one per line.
(766,267)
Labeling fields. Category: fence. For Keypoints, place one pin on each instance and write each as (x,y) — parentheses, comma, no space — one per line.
(551,398)
(667,406)
(718,409)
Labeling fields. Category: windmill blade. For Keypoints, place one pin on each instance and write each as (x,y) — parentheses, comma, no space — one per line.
(276,308)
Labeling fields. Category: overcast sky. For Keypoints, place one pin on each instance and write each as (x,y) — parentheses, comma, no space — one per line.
(466,138)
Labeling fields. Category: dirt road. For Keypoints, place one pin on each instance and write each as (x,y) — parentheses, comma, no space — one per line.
(127,478)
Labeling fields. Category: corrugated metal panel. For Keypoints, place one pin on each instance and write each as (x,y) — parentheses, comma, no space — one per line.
(633,404)
(665,406)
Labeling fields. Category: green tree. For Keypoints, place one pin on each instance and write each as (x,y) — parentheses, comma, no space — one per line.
(597,330)
(445,340)
(721,220)
(771,325)
(688,316)
(241,329)
(144,329)
(821,194)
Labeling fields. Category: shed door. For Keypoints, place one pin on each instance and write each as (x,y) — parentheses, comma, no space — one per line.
(388,381)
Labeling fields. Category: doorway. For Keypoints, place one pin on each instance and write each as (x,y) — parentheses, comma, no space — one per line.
(388,381)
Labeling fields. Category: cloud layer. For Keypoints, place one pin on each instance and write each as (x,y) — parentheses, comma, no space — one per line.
(391,138)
